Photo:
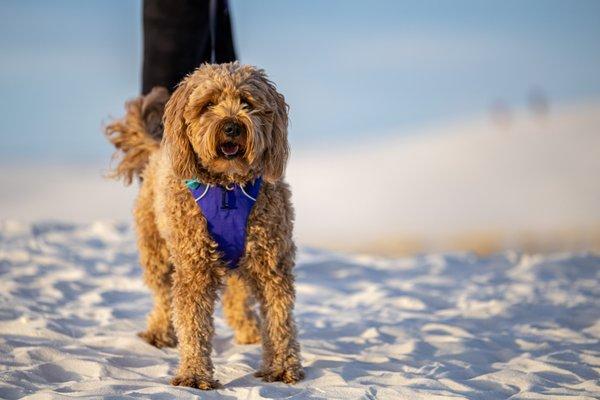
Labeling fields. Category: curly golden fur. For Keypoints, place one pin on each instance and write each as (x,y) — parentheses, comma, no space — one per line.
(138,134)
(181,263)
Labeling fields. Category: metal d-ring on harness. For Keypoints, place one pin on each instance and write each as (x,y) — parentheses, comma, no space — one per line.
(225,202)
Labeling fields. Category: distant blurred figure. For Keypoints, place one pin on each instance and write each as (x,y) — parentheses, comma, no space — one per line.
(538,102)
(500,114)
(179,35)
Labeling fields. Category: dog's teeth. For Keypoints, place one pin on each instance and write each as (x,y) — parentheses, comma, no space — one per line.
(229,150)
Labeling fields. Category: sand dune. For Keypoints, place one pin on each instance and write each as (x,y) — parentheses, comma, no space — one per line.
(531,183)
(429,327)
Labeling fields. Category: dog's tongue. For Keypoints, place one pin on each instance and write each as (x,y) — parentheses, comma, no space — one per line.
(229,149)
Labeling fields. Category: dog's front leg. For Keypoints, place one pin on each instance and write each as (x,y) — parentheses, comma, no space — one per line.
(194,295)
(281,351)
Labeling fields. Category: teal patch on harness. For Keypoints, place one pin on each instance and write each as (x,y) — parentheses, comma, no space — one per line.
(192,184)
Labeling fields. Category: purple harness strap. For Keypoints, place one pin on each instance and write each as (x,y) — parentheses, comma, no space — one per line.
(226,212)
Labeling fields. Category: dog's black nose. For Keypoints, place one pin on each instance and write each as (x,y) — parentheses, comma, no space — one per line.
(232,129)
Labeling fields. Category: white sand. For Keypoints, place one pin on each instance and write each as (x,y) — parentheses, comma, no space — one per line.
(470,177)
(435,326)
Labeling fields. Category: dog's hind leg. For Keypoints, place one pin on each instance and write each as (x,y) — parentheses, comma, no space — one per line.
(154,258)
(237,307)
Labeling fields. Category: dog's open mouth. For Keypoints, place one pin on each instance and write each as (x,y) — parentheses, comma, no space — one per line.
(229,149)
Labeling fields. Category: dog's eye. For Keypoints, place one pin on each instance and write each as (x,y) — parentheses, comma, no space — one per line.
(206,106)
(246,104)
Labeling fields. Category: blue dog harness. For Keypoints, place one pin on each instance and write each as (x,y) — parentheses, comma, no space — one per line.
(226,210)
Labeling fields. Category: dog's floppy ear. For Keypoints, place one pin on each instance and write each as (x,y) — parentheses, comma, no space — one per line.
(153,110)
(278,150)
(175,140)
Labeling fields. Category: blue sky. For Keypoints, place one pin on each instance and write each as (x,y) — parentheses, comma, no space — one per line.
(348,68)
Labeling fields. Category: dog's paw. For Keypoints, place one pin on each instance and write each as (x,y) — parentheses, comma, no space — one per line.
(290,374)
(195,381)
(159,339)
(248,336)
(246,339)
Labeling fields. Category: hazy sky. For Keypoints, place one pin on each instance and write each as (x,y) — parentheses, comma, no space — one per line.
(348,68)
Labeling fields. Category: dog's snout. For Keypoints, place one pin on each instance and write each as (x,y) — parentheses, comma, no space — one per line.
(232,129)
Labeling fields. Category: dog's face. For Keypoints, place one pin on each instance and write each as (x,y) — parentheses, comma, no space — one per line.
(227,119)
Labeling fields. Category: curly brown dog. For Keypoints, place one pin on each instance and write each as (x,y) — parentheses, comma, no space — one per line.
(224,125)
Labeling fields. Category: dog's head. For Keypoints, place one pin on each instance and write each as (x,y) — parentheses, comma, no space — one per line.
(229,121)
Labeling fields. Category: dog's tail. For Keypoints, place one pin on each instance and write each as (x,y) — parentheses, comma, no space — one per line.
(138,134)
